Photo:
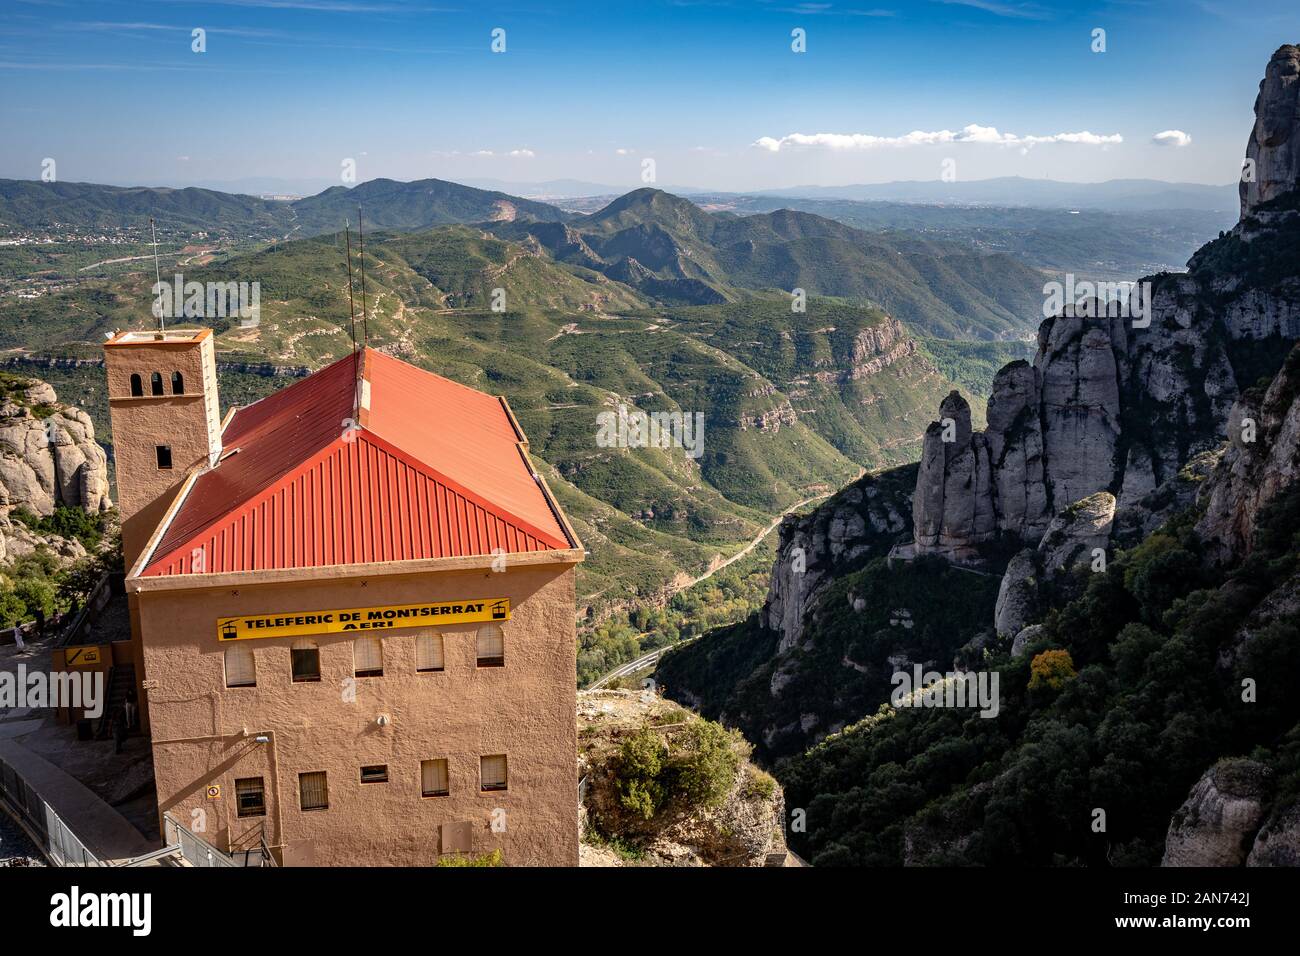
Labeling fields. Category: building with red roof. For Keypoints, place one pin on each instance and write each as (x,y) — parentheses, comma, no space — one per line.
(354,605)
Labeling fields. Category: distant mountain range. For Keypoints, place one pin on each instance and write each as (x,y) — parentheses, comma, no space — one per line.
(665,247)
(1126,195)
(672,251)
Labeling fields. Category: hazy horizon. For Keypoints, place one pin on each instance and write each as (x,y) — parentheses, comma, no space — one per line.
(689,92)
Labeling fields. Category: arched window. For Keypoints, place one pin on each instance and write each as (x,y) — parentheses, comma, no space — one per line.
(241,670)
(178,383)
(137,385)
(305,659)
(490,642)
(155,383)
(428,651)
(368,657)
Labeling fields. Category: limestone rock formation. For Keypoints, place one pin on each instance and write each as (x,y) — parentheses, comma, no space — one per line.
(1071,541)
(1274,143)
(48,457)
(1278,841)
(1018,599)
(1217,823)
(1077,533)
(1121,395)
(1262,460)
(818,547)
(1052,438)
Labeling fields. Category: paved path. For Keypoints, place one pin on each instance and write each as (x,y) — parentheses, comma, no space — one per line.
(103,830)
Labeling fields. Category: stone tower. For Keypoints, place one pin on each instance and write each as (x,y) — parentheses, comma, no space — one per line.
(162,394)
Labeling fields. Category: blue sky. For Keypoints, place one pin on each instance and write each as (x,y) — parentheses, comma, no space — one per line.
(711,91)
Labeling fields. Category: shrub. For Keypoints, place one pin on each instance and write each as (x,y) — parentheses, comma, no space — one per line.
(638,768)
(703,770)
(486,859)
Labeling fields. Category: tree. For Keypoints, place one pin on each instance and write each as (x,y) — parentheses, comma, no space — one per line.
(1051,669)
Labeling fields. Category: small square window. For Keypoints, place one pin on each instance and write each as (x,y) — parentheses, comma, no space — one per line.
(375,774)
(305,661)
(250,797)
(433,778)
(313,791)
(164,453)
(492,772)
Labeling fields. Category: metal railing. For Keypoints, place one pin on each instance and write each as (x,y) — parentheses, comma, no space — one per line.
(52,836)
(195,850)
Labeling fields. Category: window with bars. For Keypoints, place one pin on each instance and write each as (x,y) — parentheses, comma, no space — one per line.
(250,797)
(313,791)
(491,645)
(241,669)
(433,778)
(368,657)
(429,651)
(492,772)
(375,774)
(305,661)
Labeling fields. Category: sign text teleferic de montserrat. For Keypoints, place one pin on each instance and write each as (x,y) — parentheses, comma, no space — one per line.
(361,619)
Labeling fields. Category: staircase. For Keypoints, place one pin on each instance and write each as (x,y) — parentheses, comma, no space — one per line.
(121,678)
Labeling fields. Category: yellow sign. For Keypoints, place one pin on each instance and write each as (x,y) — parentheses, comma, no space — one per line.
(81,656)
(214,792)
(362,619)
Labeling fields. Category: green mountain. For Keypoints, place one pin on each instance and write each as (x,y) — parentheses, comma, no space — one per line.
(30,205)
(386,204)
(793,404)
(675,252)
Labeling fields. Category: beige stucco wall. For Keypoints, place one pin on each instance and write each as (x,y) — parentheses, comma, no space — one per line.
(524,710)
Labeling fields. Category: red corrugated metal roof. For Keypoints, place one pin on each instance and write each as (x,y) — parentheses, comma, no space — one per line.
(434,470)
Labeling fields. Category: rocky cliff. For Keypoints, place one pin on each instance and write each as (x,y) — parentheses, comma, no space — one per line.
(1120,398)
(1226,821)
(1263,459)
(861,521)
(1274,143)
(636,751)
(48,458)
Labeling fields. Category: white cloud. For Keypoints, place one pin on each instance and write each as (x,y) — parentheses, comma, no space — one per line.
(1172,137)
(968,134)
(522,153)
(624,152)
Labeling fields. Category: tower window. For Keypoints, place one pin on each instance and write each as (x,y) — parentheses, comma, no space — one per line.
(178,383)
(164,455)
(155,383)
(137,385)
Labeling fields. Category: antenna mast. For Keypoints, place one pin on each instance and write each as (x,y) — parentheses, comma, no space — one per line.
(162,318)
(361,239)
(352,309)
